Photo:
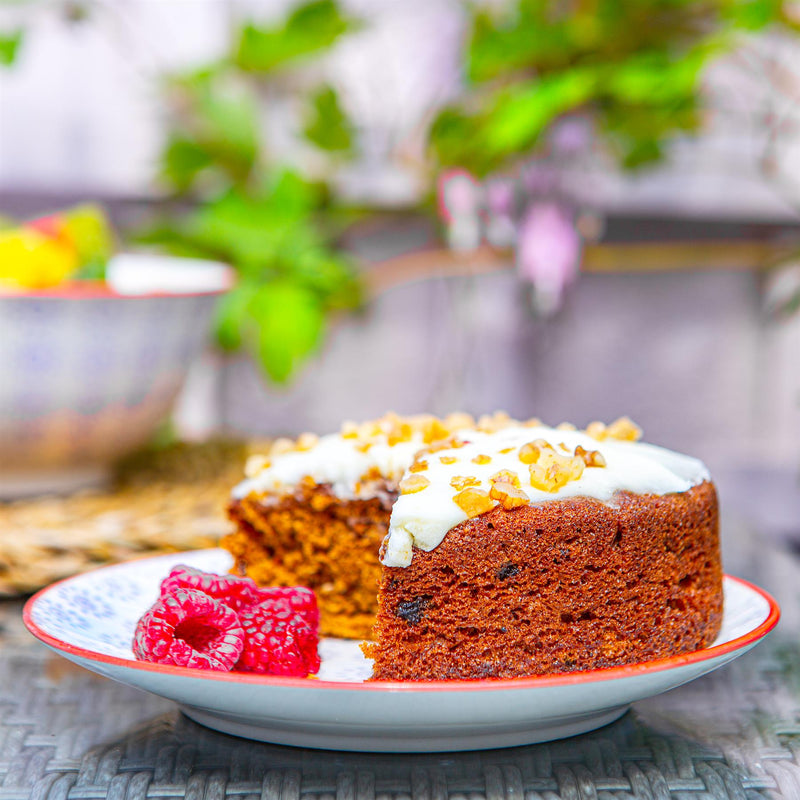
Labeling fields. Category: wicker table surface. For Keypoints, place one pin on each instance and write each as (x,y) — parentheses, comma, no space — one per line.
(67,734)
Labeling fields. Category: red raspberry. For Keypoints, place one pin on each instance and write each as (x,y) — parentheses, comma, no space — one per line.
(278,641)
(236,593)
(189,629)
(303,601)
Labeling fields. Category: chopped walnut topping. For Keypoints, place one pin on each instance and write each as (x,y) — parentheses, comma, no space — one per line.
(307,440)
(508,495)
(434,431)
(448,459)
(491,423)
(458,420)
(400,432)
(482,459)
(473,502)
(564,448)
(281,446)
(413,484)
(575,467)
(624,429)
(445,444)
(597,430)
(551,471)
(591,458)
(349,430)
(533,422)
(506,450)
(531,452)
(460,482)
(571,466)
(547,479)
(372,474)
(418,466)
(566,426)
(255,464)
(505,476)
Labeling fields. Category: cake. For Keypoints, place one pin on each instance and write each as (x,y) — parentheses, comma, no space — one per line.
(489,550)
(314,512)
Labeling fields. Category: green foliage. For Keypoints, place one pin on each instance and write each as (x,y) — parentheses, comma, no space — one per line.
(327,125)
(634,67)
(9,47)
(309,30)
(219,131)
(267,220)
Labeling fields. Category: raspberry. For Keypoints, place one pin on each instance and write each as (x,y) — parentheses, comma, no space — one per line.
(189,629)
(303,601)
(278,640)
(236,593)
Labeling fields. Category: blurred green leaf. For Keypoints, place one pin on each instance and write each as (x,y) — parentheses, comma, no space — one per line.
(232,315)
(9,47)
(271,224)
(183,160)
(218,128)
(521,114)
(634,67)
(310,29)
(290,326)
(752,15)
(327,125)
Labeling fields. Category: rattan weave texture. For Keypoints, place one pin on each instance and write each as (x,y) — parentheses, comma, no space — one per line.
(68,735)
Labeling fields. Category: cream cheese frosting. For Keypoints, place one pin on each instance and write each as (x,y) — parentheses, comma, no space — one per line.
(422,518)
(336,460)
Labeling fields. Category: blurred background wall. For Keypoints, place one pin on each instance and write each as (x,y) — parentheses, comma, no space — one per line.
(686,343)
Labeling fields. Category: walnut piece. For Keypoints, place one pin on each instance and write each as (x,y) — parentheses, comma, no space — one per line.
(460,482)
(418,466)
(281,446)
(547,479)
(591,458)
(413,484)
(448,459)
(255,464)
(307,440)
(491,423)
(622,429)
(508,495)
(505,476)
(473,502)
(481,459)
(458,420)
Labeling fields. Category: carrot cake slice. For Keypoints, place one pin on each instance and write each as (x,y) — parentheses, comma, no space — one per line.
(538,550)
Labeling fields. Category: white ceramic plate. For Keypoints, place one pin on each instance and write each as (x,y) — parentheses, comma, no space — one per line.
(90,619)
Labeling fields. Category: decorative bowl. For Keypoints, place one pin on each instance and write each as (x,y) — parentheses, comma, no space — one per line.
(88,370)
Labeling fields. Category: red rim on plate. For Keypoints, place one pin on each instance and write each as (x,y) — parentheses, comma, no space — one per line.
(587,676)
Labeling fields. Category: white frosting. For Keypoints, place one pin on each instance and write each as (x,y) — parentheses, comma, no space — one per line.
(423,518)
(341,462)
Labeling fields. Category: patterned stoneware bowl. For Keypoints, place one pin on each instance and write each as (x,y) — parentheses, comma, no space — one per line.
(87,374)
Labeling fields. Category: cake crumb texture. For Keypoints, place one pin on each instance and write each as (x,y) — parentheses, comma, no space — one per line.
(555,587)
(313,538)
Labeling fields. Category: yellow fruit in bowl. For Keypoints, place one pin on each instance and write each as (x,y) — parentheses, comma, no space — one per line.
(31,260)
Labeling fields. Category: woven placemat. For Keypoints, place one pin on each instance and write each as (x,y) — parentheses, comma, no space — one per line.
(68,735)
(163,500)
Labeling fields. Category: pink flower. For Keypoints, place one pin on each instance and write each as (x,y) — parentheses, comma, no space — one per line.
(548,252)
